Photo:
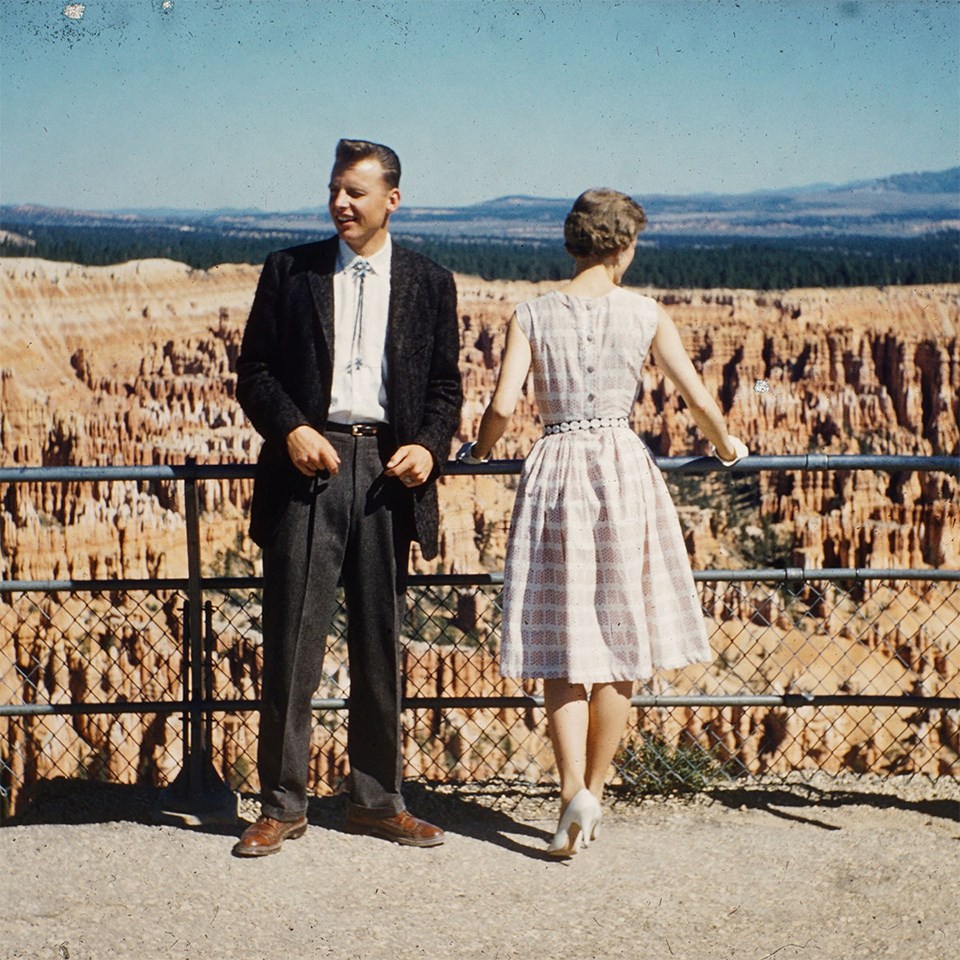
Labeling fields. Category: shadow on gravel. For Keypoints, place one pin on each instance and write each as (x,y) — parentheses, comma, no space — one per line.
(60,800)
(480,815)
(794,802)
(64,801)
(457,813)
(509,815)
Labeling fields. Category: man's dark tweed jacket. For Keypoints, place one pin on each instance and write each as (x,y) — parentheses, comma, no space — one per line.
(285,370)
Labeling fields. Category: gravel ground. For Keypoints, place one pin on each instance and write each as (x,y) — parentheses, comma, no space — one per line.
(824,870)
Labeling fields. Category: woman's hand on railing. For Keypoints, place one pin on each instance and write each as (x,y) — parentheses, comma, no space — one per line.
(465,454)
(739,448)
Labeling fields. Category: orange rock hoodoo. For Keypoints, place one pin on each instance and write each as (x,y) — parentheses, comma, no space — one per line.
(134,364)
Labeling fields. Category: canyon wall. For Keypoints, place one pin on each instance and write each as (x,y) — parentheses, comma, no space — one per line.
(134,364)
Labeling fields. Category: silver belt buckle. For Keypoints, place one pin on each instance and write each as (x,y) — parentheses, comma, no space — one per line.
(363,430)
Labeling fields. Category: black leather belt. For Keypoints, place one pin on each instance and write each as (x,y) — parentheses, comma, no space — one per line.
(357,429)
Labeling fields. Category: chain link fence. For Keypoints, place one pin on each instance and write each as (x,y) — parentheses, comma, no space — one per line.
(830,670)
(92,682)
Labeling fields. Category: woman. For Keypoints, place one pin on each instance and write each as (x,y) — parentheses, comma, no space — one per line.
(597,585)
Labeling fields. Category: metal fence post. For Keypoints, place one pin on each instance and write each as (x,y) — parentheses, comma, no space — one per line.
(198,747)
(198,795)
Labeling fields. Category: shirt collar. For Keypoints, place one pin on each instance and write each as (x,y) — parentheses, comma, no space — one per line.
(379,261)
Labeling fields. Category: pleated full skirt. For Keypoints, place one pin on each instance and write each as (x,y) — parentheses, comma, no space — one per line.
(597,582)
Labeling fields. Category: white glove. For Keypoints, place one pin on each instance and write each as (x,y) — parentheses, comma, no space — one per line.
(465,454)
(739,446)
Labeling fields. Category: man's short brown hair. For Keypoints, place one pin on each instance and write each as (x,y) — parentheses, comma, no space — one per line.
(601,222)
(350,152)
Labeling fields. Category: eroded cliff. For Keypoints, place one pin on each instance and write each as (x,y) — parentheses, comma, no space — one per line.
(134,364)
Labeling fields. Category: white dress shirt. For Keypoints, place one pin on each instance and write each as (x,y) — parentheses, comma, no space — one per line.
(359,388)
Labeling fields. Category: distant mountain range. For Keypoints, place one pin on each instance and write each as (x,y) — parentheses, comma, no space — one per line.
(909,204)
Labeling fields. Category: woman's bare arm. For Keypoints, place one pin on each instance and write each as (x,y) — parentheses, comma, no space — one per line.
(673,359)
(513,373)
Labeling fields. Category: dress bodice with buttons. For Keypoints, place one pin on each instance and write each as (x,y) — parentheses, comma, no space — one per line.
(587,352)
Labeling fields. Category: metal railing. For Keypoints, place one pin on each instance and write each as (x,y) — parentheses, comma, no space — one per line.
(840,669)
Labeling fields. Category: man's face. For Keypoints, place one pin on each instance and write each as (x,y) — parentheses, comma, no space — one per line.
(360,205)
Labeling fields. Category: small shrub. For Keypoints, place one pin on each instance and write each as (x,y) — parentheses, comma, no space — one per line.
(650,766)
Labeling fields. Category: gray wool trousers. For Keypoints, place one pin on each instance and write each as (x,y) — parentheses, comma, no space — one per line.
(354,528)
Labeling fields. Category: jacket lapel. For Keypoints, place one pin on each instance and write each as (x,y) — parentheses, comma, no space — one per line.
(403,291)
(321,287)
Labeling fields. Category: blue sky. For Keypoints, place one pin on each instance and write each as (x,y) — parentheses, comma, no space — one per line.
(211,103)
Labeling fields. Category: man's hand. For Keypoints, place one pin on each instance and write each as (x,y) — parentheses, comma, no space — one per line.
(411,465)
(311,452)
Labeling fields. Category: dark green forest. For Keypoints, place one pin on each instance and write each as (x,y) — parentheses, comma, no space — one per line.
(706,263)
(668,263)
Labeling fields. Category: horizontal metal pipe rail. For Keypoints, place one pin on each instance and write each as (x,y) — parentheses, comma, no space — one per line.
(758,575)
(885,463)
(789,700)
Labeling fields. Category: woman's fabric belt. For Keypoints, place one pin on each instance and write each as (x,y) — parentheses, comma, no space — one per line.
(596,423)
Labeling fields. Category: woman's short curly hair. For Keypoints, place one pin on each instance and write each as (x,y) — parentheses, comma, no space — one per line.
(601,222)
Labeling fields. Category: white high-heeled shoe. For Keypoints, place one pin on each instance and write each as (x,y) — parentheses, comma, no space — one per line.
(579,825)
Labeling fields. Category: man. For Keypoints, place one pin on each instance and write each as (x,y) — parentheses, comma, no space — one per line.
(348,370)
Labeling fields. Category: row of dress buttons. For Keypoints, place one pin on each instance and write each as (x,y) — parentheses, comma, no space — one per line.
(590,396)
(596,423)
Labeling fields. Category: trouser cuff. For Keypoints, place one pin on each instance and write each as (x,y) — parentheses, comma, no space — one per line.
(378,813)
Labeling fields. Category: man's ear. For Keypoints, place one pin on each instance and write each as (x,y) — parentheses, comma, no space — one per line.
(393,199)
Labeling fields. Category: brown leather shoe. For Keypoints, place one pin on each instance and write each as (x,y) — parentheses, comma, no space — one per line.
(402,827)
(266,836)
